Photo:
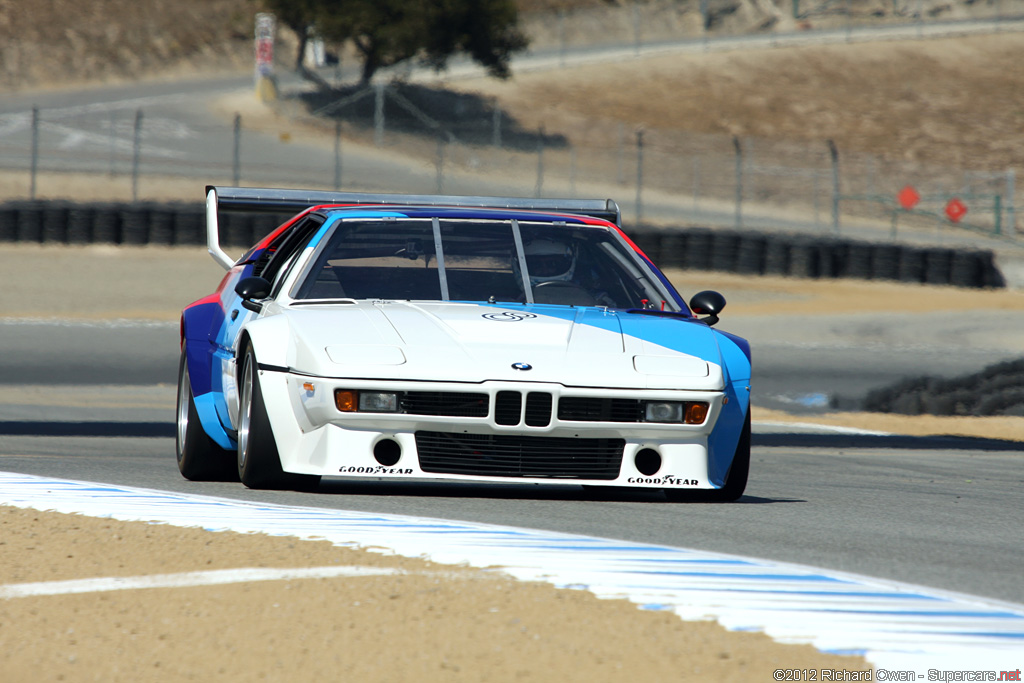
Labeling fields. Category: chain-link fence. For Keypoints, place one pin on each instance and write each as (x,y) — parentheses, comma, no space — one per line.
(657,176)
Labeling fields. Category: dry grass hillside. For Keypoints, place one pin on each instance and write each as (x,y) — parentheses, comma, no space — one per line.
(954,102)
(46,42)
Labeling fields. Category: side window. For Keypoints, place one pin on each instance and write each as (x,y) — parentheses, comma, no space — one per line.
(290,245)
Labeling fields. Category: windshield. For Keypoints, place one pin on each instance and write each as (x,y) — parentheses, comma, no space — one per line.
(478,260)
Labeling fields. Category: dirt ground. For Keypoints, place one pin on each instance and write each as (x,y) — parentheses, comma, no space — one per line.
(430,623)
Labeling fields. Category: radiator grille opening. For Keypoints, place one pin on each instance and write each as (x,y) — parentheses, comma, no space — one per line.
(589,409)
(508,455)
(538,409)
(508,407)
(448,403)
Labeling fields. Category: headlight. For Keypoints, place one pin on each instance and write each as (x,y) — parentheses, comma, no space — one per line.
(690,412)
(350,401)
(378,401)
(664,411)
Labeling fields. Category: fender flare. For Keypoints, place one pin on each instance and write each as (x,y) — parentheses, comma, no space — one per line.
(271,340)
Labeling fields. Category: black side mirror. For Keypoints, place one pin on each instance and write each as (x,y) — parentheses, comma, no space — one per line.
(251,288)
(707,303)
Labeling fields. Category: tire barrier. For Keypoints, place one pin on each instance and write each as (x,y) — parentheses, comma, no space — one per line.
(806,256)
(998,390)
(747,252)
(133,223)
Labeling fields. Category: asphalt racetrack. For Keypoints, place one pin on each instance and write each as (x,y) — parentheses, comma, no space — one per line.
(88,394)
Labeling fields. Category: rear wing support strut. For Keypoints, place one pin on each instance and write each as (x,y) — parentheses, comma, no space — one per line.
(213,231)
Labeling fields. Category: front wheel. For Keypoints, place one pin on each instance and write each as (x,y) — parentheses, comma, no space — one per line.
(199,456)
(735,481)
(259,463)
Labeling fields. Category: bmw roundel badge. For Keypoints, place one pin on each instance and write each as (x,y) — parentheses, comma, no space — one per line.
(508,316)
(522,366)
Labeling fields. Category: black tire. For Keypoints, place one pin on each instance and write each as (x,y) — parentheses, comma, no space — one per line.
(199,456)
(735,481)
(259,463)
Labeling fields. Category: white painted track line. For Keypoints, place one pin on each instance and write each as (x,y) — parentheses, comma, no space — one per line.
(214,577)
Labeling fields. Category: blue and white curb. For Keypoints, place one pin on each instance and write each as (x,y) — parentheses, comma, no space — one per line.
(898,627)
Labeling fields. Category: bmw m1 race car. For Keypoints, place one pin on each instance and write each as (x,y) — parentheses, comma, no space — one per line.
(474,339)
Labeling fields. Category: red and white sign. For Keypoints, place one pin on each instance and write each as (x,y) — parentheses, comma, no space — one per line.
(908,197)
(264,48)
(956,210)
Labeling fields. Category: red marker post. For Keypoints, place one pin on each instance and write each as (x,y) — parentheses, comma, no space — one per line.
(955,210)
(908,197)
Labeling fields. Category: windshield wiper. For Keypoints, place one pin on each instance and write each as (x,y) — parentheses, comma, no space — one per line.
(679,315)
(316,302)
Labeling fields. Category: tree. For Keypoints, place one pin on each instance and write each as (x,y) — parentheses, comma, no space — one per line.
(389,32)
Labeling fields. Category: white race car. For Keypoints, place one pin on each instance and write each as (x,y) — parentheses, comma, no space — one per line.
(474,339)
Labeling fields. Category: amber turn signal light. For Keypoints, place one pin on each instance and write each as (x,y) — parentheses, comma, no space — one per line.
(696,413)
(345,400)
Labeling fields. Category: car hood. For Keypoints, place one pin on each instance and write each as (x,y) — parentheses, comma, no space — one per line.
(572,346)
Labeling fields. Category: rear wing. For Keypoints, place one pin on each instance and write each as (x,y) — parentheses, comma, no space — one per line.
(251,199)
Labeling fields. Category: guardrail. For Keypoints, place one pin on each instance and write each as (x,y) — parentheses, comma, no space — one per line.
(744,252)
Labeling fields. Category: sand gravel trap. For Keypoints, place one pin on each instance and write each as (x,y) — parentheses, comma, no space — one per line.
(431,623)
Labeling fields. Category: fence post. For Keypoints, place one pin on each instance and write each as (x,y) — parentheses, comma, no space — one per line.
(834,153)
(620,173)
(1011,213)
(35,153)
(540,162)
(113,141)
(639,174)
(136,153)
(636,29)
(337,155)
(236,157)
(739,181)
(572,170)
(817,207)
(696,181)
(439,164)
(378,114)
(495,124)
(561,37)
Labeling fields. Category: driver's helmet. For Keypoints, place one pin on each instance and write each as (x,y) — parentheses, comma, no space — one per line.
(549,261)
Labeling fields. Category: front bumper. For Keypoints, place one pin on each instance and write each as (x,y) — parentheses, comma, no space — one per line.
(550,441)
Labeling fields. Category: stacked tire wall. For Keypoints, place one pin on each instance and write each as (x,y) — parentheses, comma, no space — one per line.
(138,223)
(998,390)
(748,253)
(805,256)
